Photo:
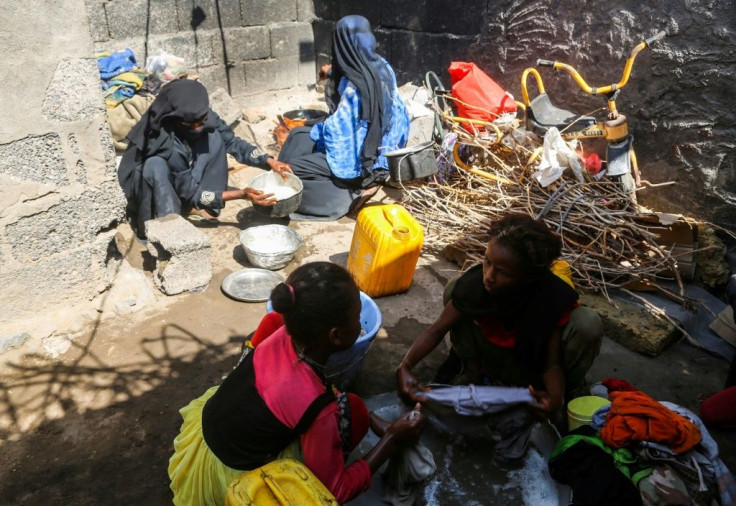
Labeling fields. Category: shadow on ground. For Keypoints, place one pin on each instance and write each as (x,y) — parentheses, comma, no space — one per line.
(115,455)
(103,420)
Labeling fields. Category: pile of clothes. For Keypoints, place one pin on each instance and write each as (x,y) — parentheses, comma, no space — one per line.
(121,78)
(641,451)
(128,89)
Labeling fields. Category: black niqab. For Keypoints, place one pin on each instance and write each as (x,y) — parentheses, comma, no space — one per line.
(180,100)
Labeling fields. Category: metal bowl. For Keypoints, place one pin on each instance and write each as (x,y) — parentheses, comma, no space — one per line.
(305,117)
(251,285)
(270,246)
(288,192)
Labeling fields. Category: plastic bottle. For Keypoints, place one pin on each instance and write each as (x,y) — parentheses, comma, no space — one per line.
(386,244)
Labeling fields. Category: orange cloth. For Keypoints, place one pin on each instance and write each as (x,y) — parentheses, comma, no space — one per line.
(635,416)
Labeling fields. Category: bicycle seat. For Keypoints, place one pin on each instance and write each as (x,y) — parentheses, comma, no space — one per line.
(542,115)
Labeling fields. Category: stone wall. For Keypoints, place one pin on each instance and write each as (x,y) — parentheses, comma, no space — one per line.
(59,196)
(678,100)
(60,201)
(242,46)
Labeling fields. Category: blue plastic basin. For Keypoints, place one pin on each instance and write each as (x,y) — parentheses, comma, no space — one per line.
(343,367)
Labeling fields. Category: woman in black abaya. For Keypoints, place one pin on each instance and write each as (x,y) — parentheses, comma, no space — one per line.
(176,159)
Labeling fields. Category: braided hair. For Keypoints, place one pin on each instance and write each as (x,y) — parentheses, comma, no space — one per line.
(534,245)
(315,298)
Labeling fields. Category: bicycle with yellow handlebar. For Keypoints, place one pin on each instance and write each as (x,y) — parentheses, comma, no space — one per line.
(540,115)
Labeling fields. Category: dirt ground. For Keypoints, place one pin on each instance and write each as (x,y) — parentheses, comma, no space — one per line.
(96,424)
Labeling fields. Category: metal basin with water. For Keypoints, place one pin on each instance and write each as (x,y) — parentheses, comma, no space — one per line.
(467,472)
(270,246)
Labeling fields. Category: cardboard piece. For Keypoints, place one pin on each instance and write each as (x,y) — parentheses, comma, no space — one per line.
(724,326)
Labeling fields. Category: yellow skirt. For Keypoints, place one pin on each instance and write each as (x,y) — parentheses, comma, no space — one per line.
(197,476)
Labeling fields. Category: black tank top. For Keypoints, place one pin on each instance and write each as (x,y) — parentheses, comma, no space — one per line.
(240,429)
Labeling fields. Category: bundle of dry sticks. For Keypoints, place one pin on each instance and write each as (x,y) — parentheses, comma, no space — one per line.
(484,176)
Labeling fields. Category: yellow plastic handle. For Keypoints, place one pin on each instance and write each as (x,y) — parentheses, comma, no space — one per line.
(391,215)
(275,490)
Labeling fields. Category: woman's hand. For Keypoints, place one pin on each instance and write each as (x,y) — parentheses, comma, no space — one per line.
(409,427)
(258,197)
(403,431)
(408,385)
(325,71)
(545,403)
(280,168)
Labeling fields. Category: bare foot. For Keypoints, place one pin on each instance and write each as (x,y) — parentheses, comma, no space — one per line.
(359,202)
(378,424)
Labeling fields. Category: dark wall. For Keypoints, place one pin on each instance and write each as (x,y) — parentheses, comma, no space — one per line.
(678,101)
(414,37)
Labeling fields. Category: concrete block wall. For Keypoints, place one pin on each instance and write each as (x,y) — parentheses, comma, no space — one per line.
(59,196)
(243,46)
(678,100)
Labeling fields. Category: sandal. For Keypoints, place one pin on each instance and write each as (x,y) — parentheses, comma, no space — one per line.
(201,215)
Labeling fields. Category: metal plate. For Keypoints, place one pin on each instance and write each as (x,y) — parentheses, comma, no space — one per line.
(251,285)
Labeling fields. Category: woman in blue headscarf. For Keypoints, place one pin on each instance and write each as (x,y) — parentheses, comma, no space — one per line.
(338,159)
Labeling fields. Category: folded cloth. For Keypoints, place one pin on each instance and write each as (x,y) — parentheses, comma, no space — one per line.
(635,416)
(504,411)
(115,63)
(122,87)
(132,79)
(473,400)
(618,385)
(124,116)
(116,95)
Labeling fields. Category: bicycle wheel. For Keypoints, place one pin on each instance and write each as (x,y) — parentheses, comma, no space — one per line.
(436,92)
(620,158)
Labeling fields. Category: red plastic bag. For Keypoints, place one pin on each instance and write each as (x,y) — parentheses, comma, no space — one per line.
(479,96)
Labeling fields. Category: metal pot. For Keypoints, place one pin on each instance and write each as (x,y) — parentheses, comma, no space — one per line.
(303,117)
(270,182)
(413,162)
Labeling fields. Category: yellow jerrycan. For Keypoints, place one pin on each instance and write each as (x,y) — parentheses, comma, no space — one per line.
(283,482)
(386,244)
